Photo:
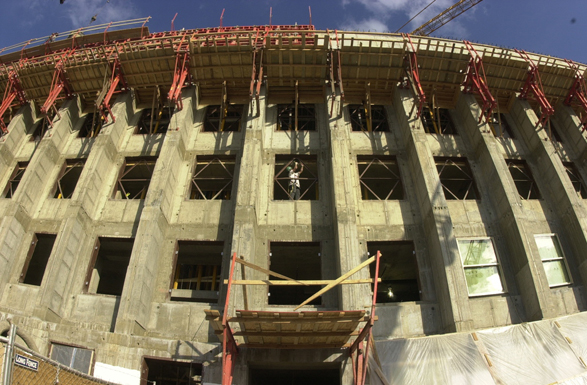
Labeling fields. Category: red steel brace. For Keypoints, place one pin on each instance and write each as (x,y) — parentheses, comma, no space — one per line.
(58,84)
(475,81)
(229,346)
(534,84)
(181,74)
(363,342)
(13,91)
(116,78)
(412,74)
(578,92)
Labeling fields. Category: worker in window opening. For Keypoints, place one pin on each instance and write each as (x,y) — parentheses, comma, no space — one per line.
(294,180)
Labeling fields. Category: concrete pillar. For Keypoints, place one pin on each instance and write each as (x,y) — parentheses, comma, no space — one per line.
(449,280)
(143,270)
(567,209)
(349,252)
(509,213)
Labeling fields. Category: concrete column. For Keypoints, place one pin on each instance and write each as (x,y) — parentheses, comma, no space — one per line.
(510,215)
(141,277)
(449,280)
(568,209)
(11,143)
(349,252)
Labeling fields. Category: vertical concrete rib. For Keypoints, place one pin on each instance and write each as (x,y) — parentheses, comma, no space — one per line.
(449,279)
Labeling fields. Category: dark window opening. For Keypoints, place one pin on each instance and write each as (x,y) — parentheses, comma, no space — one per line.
(456,179)
(76,358)
(553,133)
(398,270)
(91,126)
(217,120)
(154,121)
(108,265)
(197,271)
(523,179)
(296,177)
(67,179)
(167,372)
(37,258)
(212,178)
(41,127)
(15,179)
(360,118)
(438,121)
(324,374)
(296,260)
(576,179)
(501,127)
(379,177)
(286,117)
(135,177)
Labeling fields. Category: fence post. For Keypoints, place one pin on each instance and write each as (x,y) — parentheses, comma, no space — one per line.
(9,357)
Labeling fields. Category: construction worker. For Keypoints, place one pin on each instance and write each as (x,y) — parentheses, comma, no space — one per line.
(294,180)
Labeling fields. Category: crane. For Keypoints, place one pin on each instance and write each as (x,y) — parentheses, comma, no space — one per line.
(444,17)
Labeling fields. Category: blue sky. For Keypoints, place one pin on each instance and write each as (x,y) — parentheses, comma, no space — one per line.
(552,27)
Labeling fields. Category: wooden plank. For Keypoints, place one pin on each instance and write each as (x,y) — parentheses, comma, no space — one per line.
(292,334)
(300,346)
(336,282)
(298,320)
(262,270)
(305,282)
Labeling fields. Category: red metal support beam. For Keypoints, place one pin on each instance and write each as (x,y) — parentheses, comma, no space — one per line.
(475,81)
(181,74)
(359,350)
(13,91)
(533,85)
(578,93)
(103,101)
(229,346)
(412,74)
(58,84)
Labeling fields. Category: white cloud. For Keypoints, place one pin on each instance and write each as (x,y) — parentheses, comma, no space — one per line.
(372,25)
(80,12)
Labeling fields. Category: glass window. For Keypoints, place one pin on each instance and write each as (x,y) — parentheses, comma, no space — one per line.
(76,358)
(481,266)
(553,259)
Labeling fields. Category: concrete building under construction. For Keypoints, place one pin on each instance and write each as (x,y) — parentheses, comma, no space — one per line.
(143,174)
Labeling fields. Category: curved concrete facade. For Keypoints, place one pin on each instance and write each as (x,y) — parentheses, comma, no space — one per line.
(151,317)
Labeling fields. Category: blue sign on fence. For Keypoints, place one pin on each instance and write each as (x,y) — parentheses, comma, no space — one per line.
(26,362)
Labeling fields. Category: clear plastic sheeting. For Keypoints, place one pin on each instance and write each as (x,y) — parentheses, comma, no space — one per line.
(538,353)
(531,353)
(449,359)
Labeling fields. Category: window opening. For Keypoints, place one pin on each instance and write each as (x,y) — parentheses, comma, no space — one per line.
(37,258)
(154,121)
(41,127)
(15,179)
(456,178)
(501,127)
(217,120)
(297,260)
(212,178)
(135,177)
(553,132)
(197,271)
(167,372)
(576,179)
(553,259)
(523,179)
(379,178)
(295,183)
(68,177)
(437,121)
(91,126)
(76,358)
(360,118)
(322,374)
(481,266)
(398,270)
(286,117)
(108,265)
